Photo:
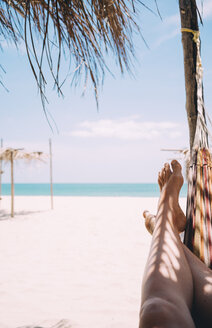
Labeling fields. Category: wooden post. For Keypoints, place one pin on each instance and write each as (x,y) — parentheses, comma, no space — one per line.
(50,162)
(12,185)
(1,172)
(189,19)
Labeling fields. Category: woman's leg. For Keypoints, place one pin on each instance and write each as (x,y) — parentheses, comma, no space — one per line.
(167,290)
(202,279)
(202,282)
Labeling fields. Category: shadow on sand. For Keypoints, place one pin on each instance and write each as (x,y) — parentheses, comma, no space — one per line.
(5,215)
(61,324)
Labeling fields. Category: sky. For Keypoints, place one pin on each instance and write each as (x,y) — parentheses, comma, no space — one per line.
(138,115)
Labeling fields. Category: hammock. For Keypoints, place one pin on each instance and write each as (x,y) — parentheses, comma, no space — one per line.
(198,234)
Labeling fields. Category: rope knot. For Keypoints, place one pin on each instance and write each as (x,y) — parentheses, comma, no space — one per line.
(196,34)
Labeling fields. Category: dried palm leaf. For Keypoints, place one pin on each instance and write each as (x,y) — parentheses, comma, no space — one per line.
(6,154)
(83,29)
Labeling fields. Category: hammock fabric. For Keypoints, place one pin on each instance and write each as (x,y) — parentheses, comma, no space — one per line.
(198,235)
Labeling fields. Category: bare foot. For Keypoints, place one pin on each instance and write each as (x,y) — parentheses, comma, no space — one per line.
(170,183)
(149,221)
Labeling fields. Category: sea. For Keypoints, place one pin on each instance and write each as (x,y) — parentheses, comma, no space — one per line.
(87,189)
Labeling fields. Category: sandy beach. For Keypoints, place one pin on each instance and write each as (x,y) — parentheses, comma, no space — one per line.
(81,262)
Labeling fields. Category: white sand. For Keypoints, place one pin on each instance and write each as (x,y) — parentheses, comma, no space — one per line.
(82,262)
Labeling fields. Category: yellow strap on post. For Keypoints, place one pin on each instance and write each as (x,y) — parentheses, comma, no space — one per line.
(196,34)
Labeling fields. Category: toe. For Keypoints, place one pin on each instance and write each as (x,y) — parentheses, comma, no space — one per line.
(167,171)
(160,176)
(164,176)
(176,167)
(147,215)
(149,221)
(160,181)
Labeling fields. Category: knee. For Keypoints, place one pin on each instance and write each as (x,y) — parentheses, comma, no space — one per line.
(156,312)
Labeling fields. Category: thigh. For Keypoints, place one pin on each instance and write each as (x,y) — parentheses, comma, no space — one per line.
(202,296)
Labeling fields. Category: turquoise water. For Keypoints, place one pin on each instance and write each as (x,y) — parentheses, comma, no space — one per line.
(87,189)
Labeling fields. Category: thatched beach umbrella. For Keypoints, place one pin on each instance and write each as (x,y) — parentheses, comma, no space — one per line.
(10,155)
(1,172)
(84,30)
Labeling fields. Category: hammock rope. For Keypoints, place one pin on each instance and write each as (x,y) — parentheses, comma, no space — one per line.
(198,234)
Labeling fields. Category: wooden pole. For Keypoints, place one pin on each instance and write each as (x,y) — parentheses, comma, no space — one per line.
(1,172)
(50,162)
(189,19)
(12,185)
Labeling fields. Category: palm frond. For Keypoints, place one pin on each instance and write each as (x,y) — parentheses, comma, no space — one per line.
(83,29)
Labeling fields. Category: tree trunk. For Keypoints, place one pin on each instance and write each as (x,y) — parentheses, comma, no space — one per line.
(189,19)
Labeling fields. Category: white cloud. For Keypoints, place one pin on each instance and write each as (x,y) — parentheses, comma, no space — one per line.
(205,8)
(170,28)
(172,20)
(167,37)
(127,129)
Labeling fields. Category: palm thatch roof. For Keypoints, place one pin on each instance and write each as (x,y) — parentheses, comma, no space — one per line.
(83,29)
(11,154)
(6,153)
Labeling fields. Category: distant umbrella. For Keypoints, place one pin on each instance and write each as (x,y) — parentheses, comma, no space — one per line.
(11,154)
